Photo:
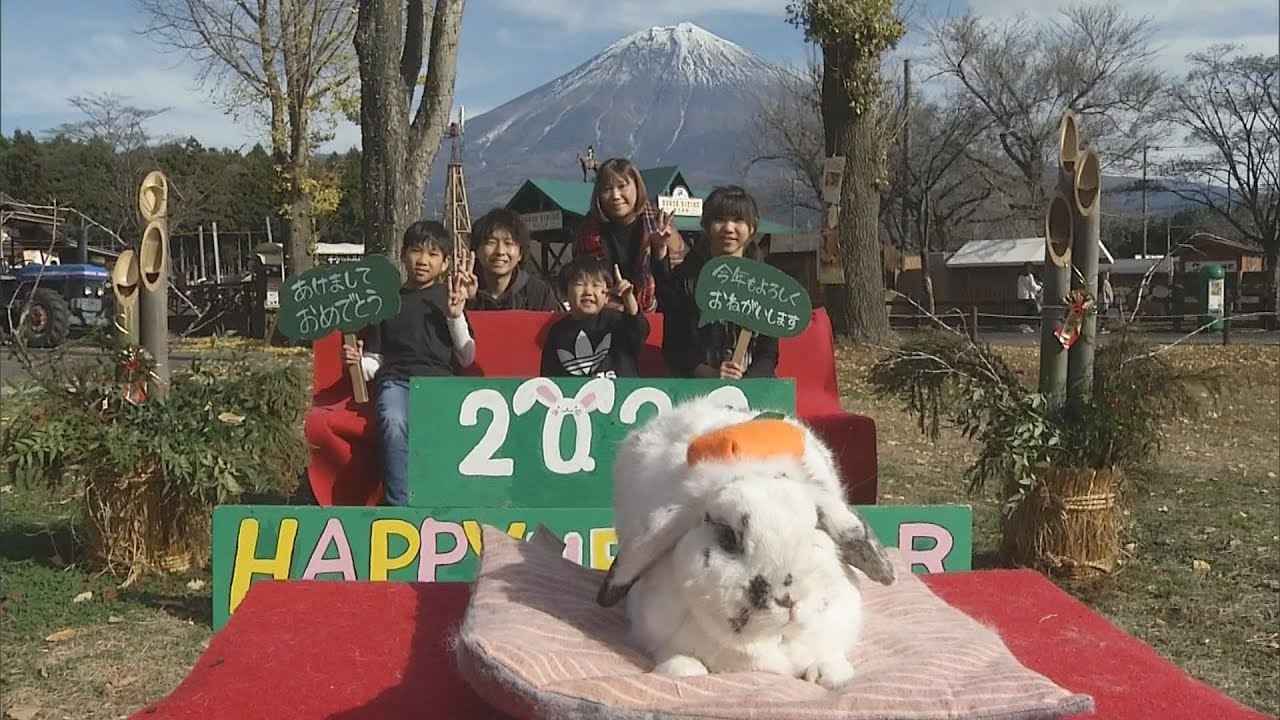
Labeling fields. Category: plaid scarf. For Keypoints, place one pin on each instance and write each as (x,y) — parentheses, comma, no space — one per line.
(591,241)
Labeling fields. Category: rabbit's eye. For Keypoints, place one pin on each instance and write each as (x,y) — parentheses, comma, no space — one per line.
(728,539)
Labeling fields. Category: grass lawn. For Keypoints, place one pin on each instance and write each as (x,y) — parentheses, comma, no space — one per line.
(1212,497)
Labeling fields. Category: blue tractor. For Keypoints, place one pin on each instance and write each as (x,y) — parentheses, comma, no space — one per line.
(62,298)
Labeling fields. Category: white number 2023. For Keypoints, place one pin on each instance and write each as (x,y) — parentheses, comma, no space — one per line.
(596,396)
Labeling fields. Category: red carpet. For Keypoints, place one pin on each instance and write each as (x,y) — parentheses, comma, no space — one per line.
(381,652)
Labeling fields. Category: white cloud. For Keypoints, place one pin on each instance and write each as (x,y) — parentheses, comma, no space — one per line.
(627,15)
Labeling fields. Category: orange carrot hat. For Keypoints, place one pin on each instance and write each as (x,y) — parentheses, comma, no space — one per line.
(758,438)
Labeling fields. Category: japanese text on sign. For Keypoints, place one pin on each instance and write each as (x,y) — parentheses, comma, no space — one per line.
(339,297)
(753,295)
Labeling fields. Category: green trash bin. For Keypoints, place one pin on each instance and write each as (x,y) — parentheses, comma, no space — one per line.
(1213,296)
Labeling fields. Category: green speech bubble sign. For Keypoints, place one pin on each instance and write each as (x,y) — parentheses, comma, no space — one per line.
(753,295)
(344,297)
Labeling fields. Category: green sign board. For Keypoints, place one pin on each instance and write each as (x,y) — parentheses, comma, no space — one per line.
(344,297)
(257,542)
(543,442)
(752,295)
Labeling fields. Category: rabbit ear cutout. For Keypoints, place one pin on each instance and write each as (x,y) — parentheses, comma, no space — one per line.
(858,545)
(669,524)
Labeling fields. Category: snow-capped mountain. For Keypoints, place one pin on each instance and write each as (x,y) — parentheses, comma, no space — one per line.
(673,95)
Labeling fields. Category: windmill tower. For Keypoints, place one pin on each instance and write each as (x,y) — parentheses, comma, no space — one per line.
(457,215)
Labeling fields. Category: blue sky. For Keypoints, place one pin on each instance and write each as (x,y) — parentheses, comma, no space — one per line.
(53,49)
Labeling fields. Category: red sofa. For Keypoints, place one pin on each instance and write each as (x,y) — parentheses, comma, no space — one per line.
(345,467)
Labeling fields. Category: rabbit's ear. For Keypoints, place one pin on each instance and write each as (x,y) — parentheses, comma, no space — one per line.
(596,394)
(533,390)
(858,545)
(668,526)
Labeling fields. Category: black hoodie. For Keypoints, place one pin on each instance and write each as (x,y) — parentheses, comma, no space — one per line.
(525,292)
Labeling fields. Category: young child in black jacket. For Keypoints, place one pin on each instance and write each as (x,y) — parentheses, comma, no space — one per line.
(729,220)
(594,340)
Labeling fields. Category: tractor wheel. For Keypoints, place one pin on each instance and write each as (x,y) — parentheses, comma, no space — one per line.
(48,320)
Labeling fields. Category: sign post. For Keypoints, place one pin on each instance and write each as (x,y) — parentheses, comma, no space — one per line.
(344,297)
(754,296)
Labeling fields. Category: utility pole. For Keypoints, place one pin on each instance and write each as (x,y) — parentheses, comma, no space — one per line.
(1144,199)
(906,152)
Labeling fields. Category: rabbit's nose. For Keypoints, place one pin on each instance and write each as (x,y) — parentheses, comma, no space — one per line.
(785,601)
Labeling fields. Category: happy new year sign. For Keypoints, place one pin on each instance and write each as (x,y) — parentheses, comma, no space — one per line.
(345,297)
(259,542)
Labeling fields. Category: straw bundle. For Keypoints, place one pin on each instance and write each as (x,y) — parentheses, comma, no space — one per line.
(1068,524)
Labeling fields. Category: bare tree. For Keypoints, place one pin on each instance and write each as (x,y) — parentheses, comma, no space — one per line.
(286,59)
(396,42)
(786,130)
(111,119)
(1094,59)
(1230,105)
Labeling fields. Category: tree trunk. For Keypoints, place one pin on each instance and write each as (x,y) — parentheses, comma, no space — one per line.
(398,152)
(383,106)
(853,135)
(1274,259)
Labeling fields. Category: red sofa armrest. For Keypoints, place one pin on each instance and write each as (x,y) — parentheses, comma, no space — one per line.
(852,439)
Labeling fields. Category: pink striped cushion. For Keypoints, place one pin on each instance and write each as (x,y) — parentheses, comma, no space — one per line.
(534,644)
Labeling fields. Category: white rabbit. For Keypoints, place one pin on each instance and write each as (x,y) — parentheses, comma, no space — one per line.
(739,560)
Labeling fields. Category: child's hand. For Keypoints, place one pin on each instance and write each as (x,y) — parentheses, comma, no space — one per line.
(730,370)
(464,271)
(625,291)
(659,235)
(352,355)
(458,294)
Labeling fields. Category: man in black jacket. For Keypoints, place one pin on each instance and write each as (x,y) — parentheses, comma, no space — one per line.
(501,242)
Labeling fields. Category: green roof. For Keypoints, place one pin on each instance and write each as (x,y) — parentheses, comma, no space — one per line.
(658,180)
(570,196)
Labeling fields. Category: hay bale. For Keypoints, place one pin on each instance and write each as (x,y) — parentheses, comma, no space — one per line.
(1069,524)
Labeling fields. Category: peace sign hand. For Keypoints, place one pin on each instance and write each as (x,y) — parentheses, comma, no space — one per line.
(659,234)
(464,272)
(458,293)
(625,291)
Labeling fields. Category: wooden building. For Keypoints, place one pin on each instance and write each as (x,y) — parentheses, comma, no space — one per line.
(984,273)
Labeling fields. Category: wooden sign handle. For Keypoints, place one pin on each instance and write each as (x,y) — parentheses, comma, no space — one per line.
(740,350)
(359,390)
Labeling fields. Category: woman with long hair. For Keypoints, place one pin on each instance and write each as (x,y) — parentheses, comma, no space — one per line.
(624,229)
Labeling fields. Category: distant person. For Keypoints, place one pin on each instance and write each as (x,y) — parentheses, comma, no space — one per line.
(500,240)
(595,340)
(429,337)
(623,229)
(1106,299)
(1029,290)
(729,220)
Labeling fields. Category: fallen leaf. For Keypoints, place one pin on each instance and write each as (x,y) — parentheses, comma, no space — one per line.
(1200,567)
(23,712)
(6,489)
(113,619)
(124,681)
(195,585)
(85,596)
(1163,509)
(65,634)
(230,418)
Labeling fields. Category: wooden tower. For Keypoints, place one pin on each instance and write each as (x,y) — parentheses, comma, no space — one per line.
(457,214)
